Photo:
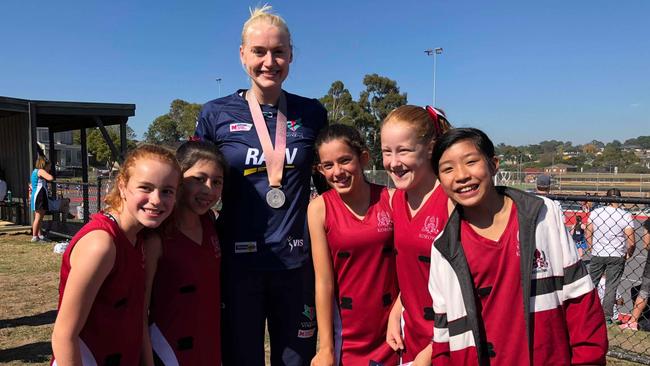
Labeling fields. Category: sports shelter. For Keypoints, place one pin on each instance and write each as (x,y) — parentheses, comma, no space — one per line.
(19,119)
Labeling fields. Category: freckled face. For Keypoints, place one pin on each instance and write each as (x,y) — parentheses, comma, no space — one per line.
(150,193)
(405,158)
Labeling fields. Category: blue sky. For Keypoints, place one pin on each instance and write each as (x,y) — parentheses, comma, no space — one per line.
(523,71)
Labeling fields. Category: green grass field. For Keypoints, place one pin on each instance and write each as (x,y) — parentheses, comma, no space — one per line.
(29,277)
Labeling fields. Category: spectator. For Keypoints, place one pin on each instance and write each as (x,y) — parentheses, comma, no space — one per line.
(602,285)
(578,234)
(644,290)
(543,184)
(610,236)
(39,197)
(41,203)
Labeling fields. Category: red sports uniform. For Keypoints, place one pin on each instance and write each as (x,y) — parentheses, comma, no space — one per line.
(112,334)
(366,284)
(186,299)
(413,240)
(525,299)
(494,266)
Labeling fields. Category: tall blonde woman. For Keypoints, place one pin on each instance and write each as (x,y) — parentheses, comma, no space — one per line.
(267,137)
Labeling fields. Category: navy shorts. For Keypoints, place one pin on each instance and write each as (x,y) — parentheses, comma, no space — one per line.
(582,244)
(285,299)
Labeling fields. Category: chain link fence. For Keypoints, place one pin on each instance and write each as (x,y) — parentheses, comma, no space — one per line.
(85,200)
(612,235)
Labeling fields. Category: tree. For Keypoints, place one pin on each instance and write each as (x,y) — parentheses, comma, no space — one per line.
(642,142)
(341,108)
(172,127)
(614,156)
(185,115)
(99,148)
(163,131)
(381,96)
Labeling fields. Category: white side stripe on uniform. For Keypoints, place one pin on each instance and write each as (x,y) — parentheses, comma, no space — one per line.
(161,347)
(87,358)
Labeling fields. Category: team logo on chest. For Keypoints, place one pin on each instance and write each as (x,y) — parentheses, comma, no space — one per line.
(294,128)
(384,222)
(430,228)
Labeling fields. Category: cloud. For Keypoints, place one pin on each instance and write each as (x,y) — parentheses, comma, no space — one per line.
(635,105)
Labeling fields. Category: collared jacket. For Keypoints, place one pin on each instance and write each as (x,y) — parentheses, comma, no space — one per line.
(560,284)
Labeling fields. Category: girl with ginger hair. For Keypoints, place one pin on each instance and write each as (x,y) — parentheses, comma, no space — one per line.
(102,289)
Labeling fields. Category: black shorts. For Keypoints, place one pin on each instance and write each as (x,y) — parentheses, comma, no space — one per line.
(41,203)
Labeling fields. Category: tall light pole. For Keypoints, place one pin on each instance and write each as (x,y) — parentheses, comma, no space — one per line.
(434,52)
(219,83)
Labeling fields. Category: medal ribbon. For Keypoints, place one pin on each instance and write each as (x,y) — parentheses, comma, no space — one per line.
(274,156)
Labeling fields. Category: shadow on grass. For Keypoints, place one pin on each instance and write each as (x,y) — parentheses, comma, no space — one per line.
(47,317)
(33,352)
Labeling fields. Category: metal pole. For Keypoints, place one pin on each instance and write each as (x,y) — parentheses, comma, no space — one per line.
(219,83)
(434,52)
(434,79)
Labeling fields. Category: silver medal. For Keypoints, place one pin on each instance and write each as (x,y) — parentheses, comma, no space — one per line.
(275,198)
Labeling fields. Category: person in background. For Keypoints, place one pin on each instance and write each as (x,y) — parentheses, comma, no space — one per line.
(578,235)
(267,136)
(644,291)
(610,237)
(543,184)
(507,285)
(354,259)
(102,288)
(39,197)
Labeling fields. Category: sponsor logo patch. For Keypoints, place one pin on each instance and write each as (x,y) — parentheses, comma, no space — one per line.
(245,247)
(238,127)
(294,243)
(306,333)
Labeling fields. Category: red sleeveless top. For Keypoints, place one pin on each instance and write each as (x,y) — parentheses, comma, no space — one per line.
(185,311)
(113,330)
(366,284)
(414,237)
